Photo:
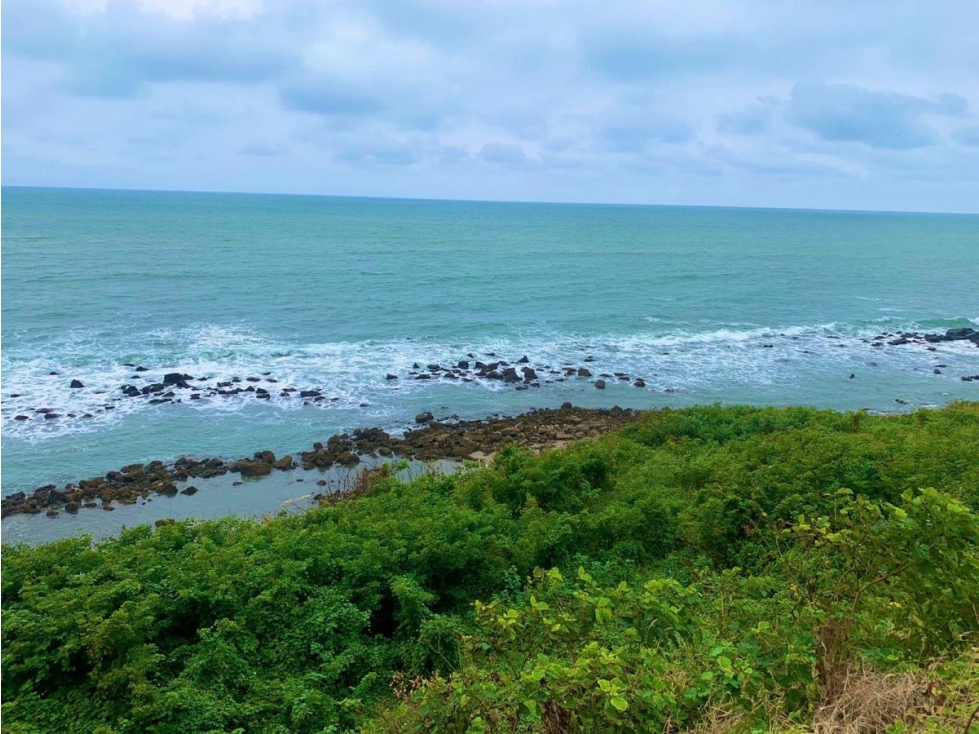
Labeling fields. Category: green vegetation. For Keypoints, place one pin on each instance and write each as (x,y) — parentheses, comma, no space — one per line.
(711,569)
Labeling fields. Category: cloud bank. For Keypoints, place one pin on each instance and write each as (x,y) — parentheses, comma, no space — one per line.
(840,105)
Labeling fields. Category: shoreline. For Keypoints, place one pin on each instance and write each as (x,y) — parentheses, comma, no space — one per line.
(431,440)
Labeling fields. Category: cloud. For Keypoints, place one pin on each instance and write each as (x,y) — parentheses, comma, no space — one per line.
(503,153)
(264,150)
(847,113)
(667,101)
(383,152)
(967,136)
(751,120)
(636,130)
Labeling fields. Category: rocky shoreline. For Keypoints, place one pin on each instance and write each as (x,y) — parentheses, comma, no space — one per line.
(430,440)
(520,374)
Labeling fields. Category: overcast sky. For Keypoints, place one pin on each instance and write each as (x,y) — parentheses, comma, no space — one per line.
(853,104)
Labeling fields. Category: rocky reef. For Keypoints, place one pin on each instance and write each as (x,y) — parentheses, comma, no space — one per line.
(430,440)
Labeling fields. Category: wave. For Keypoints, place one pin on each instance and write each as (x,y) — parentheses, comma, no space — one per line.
(352,375)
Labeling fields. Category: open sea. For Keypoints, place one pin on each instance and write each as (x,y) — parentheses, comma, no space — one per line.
(334,294)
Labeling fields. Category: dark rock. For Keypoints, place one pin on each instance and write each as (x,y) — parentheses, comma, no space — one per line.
(53,374)
(348,458)
(310,394)
(639,382)
(425,417)
(51,416)
(284,464)
(523,360)
(600,384)
(75,384)
(463,364)
(175,378)
(142,369)
(189,490)
(21,418)
(251,468)
(389,376)
(582,372)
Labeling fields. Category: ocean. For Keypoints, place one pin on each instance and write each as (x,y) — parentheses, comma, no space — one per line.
(334,294)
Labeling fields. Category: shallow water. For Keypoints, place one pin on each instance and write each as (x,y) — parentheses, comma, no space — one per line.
(736,306)
(281,491)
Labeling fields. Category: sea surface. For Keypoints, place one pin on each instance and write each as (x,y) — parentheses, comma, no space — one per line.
(333,294)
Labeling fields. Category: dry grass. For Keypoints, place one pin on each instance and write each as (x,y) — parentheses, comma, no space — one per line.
(867,701)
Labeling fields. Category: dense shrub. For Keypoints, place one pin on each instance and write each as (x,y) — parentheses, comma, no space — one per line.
(736,564)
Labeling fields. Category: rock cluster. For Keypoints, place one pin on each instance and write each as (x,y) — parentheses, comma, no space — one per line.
(900,338)
(433,440)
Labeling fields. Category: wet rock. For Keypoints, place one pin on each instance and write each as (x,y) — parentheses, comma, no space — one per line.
(189,490)
(523,360)
(639,382)
(21,418)
(310,393)
(583,372)
(389,376)
(510,375)
(348,458)
(425,417)
(251,468)
(175,378)
(285,463)
(75,384)
(600,384)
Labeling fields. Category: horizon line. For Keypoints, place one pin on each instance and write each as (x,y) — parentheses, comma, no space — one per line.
(488,201)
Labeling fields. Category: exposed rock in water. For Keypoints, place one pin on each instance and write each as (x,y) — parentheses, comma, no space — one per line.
(251,468)
(75,384)
(425,417)
(600,384)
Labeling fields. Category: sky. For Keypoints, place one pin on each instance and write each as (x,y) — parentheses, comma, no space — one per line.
(849,104)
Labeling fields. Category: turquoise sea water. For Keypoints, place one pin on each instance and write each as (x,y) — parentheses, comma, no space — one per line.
(334,293)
